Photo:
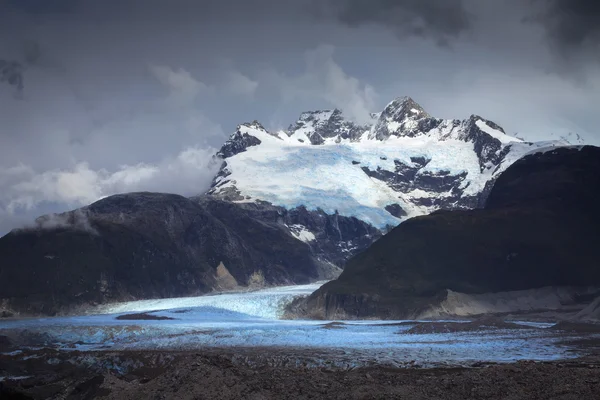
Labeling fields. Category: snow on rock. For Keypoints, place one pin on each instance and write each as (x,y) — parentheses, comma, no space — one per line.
(496,134)
(301,233)
(406,161)
(14,378)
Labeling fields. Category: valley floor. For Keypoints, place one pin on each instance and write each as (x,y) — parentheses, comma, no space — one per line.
(236,346)
(222,374)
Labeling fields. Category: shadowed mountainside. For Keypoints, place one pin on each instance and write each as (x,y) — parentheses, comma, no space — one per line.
(151,245)
(540,227)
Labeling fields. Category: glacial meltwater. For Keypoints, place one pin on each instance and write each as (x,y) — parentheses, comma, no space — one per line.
(252,320)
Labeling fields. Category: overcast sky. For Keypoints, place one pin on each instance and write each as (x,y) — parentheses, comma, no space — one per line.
(124,95)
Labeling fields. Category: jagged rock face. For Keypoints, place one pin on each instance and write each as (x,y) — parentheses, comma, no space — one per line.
(240,141)
(322,125)
(489,150)
(404,160)
(148,245)
(539,228)
(331,238)
(401,118)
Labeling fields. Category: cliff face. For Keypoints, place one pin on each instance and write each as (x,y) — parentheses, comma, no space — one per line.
(539,228)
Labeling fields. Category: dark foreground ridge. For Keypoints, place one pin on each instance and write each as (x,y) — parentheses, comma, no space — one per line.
(153,245)
(224,375)
(539,228)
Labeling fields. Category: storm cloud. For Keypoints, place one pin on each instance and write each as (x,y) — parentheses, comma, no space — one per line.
(572,25)
(103,97)
(438,19)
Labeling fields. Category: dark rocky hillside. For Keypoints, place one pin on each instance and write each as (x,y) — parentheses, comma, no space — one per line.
(540,227)
(149,245)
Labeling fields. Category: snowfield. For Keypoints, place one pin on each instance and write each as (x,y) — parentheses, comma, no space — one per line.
(336,172)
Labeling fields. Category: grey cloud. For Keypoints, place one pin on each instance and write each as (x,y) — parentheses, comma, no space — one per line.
(78,220)
(573,23)
(41,7)
(25,189)
(441,20)
(324,80)
(239,84)
(572,29)
(183,88)
(11,72)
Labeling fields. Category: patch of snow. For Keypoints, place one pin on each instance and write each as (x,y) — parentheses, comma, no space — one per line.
(14,378)
(411,124)
(501,136)
(393,126)
(553,147)
(301,233)
(421,194)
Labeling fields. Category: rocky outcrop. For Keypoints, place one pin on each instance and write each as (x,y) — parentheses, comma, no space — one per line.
(328,124)
(539,228)
(330,237)
(239,141)
(401,118)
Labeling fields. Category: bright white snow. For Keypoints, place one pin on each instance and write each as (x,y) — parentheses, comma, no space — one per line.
(289,173)
(266,303)
(301,233)
(501,136)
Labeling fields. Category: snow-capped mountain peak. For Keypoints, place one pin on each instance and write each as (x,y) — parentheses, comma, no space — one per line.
(246,135)
(399,118)
(406,163)
(325,127)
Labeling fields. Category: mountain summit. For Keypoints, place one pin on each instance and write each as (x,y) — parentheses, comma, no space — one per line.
(403,164)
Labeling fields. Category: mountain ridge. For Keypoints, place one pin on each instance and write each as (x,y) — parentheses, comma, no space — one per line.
(407,160)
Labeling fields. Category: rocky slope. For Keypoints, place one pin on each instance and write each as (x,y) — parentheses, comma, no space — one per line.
(403,164)
(539,228)
(147,245)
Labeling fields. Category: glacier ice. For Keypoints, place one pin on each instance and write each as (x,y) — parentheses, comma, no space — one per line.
(251,320)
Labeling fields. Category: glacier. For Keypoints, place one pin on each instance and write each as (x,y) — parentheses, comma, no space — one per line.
(252,320)
(405,158)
